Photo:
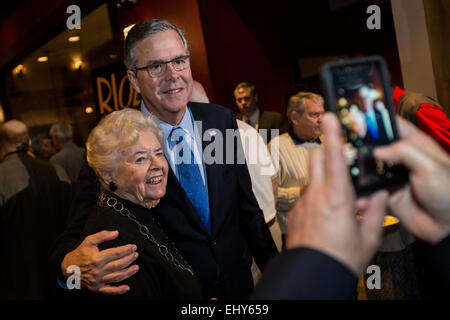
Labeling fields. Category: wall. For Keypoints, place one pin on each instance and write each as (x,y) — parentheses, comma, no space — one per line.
(413,46)
(235,55)
(437,13)
(266,43)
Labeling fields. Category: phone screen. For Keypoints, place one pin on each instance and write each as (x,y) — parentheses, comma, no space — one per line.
(363,104)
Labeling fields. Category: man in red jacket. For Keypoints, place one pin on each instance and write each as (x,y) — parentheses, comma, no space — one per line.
(425,113)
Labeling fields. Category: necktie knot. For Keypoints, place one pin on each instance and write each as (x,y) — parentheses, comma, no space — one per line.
(177,134)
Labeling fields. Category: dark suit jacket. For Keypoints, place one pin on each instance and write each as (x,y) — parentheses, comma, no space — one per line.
(270,120)
(437,268)
(238,227)
(308,274)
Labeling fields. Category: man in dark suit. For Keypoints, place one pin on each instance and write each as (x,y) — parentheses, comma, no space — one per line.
(246,100)
(214,220)
(34,201)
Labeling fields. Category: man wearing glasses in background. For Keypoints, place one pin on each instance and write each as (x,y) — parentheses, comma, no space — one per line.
(217,224)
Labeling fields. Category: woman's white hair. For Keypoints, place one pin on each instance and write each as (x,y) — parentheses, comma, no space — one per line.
(114,134)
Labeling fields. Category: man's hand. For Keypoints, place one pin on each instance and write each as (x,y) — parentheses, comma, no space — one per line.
(424,205)
(100,268)
(324,218)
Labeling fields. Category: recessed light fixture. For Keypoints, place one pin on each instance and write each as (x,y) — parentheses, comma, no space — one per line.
(42,59)
(18,69)
(125,30)
(74,39)
(77,64)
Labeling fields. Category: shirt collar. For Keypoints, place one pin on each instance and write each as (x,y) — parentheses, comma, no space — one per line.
(144,109)
(254,118)
(186,122)
(297,140)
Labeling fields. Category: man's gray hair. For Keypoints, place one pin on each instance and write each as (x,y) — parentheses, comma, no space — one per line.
(297,102)
(141,31)
(62,131)
(114,134)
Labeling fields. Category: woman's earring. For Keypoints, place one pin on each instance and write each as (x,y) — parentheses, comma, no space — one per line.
(112,186)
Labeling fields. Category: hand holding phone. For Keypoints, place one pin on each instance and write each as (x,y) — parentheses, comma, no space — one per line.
(358,91)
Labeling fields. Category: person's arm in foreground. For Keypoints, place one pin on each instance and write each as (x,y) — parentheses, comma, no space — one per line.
(327,247)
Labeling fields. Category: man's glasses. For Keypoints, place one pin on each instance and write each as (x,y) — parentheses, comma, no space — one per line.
(158,68)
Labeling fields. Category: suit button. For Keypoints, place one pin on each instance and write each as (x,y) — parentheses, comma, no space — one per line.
(212,243)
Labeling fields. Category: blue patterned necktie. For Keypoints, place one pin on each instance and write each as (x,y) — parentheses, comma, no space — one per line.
(189,175)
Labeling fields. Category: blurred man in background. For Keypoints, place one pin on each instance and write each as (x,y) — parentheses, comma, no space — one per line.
(69,155)
(34,201)
(250,113)
(290,151)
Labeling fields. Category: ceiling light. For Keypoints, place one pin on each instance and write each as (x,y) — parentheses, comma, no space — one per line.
(42,59)
(74,39)
(77,64)
(89,110)
(125,30)
(18,69)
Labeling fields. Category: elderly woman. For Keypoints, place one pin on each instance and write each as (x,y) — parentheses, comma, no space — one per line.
(125,150)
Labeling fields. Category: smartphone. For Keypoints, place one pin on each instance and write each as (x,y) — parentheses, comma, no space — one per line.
(359,92)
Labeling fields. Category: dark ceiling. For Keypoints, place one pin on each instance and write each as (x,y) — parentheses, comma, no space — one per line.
(8,7)
(298,29)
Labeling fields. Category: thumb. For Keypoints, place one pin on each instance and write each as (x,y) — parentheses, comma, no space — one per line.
(99,237)
(414,218)
(403,152)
